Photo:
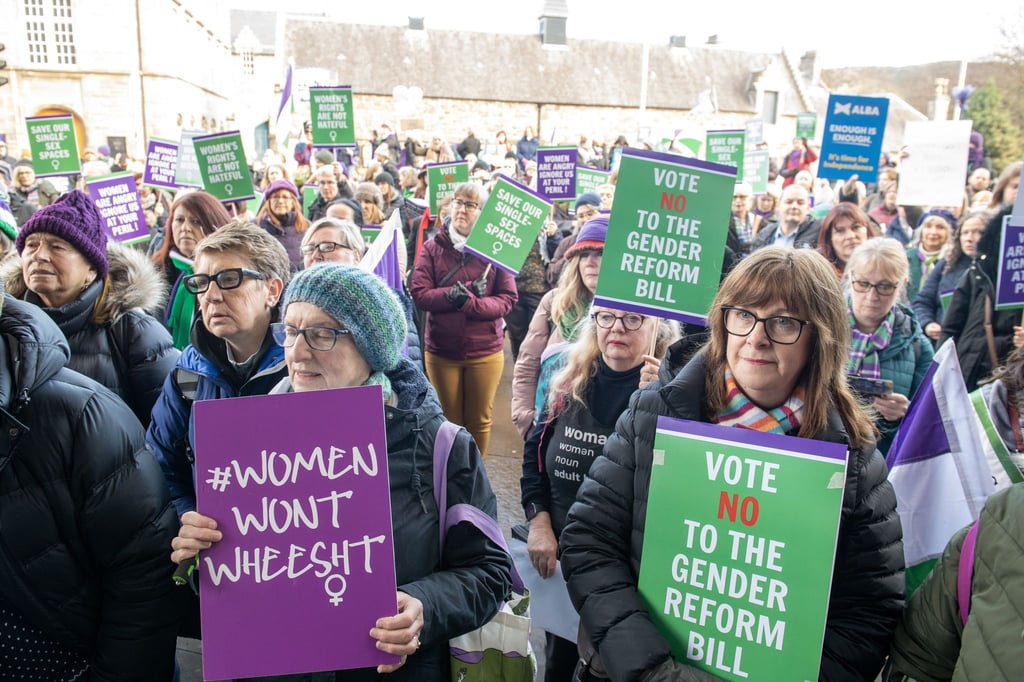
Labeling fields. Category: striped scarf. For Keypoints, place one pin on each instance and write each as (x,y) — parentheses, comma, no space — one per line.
(928,260)
(863,359)
(740,412)
(380,379)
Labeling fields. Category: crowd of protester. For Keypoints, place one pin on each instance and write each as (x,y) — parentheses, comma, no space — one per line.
(833,301)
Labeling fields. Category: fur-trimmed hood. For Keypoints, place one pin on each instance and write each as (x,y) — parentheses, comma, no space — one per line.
(132,282)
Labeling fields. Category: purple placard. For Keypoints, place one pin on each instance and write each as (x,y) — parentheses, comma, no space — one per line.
(117,199)
(556,173)
(1010,278)
(306,566)
(792,445)
(161,160)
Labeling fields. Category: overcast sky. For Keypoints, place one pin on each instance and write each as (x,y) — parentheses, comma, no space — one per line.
(859,33)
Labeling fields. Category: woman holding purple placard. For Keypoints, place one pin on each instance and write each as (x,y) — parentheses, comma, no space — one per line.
(779,343)
(101,294)
(344,327)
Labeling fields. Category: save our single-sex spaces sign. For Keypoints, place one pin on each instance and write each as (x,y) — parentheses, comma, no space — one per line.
(726,147)
(739,546)
(508,225)
(54,145)
(306,565)
(666,236)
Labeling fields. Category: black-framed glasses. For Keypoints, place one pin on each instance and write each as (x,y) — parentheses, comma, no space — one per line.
(630,321)
(317,338)
(468,205)
(323,247)
(863,286)
(231,278)
(781,329)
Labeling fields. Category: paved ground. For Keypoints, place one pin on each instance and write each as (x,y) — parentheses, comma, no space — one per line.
(503,467)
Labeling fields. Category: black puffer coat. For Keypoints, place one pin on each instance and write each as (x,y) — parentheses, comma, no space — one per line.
(87,520)
(113,337)
(602,542)
(973,299)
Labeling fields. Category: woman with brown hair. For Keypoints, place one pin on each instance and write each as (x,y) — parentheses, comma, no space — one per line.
(775,363)
(280,214)
(193,215)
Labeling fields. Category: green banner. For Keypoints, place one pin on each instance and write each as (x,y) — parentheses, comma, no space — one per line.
(726,147)
(309,192)
(589,179)
(739,546)
(54,145)
(508,225)
(806,124)
(666,235)
(330,112)
(441,181)
(186,171)
(755,170)
(223,167)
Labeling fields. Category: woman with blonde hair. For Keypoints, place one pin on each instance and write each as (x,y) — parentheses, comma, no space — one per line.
(602,370)
(888,344)
(371,200)
(556,324)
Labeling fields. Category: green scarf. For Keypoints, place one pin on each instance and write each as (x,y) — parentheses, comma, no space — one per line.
(569,323)
(380,379)
(183,304)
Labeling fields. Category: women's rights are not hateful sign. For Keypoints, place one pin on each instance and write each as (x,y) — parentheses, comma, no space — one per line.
(306,565)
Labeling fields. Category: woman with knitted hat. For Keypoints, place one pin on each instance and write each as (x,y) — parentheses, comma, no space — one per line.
(344,327)
(556,324)
(465,300)
(100,295)
(929,246)
(193,215)
(280,214)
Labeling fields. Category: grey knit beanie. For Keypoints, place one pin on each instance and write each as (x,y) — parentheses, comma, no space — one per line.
(361,302)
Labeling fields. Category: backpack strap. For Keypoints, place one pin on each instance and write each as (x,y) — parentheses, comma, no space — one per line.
(443,442)
(965,573)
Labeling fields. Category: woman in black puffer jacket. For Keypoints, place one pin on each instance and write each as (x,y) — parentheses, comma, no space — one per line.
(85,570)
(100,295)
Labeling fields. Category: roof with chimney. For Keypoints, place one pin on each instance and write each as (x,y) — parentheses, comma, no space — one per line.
(489,66)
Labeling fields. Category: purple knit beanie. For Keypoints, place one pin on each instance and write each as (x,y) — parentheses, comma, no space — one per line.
(75,219)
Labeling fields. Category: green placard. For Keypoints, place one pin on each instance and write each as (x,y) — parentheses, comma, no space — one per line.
(309,194)
(54,145)
(726,147)
(755,170)
(589,179)
(186,171)
(739,546)
(508,225)
(330,112)
(666,235)
(806,123)
(370,232)
(442,179)
(222,166)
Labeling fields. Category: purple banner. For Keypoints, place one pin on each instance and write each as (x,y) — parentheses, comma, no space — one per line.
(306,566)
(161,160)
(117,199)
(1010,278)
(556,173)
